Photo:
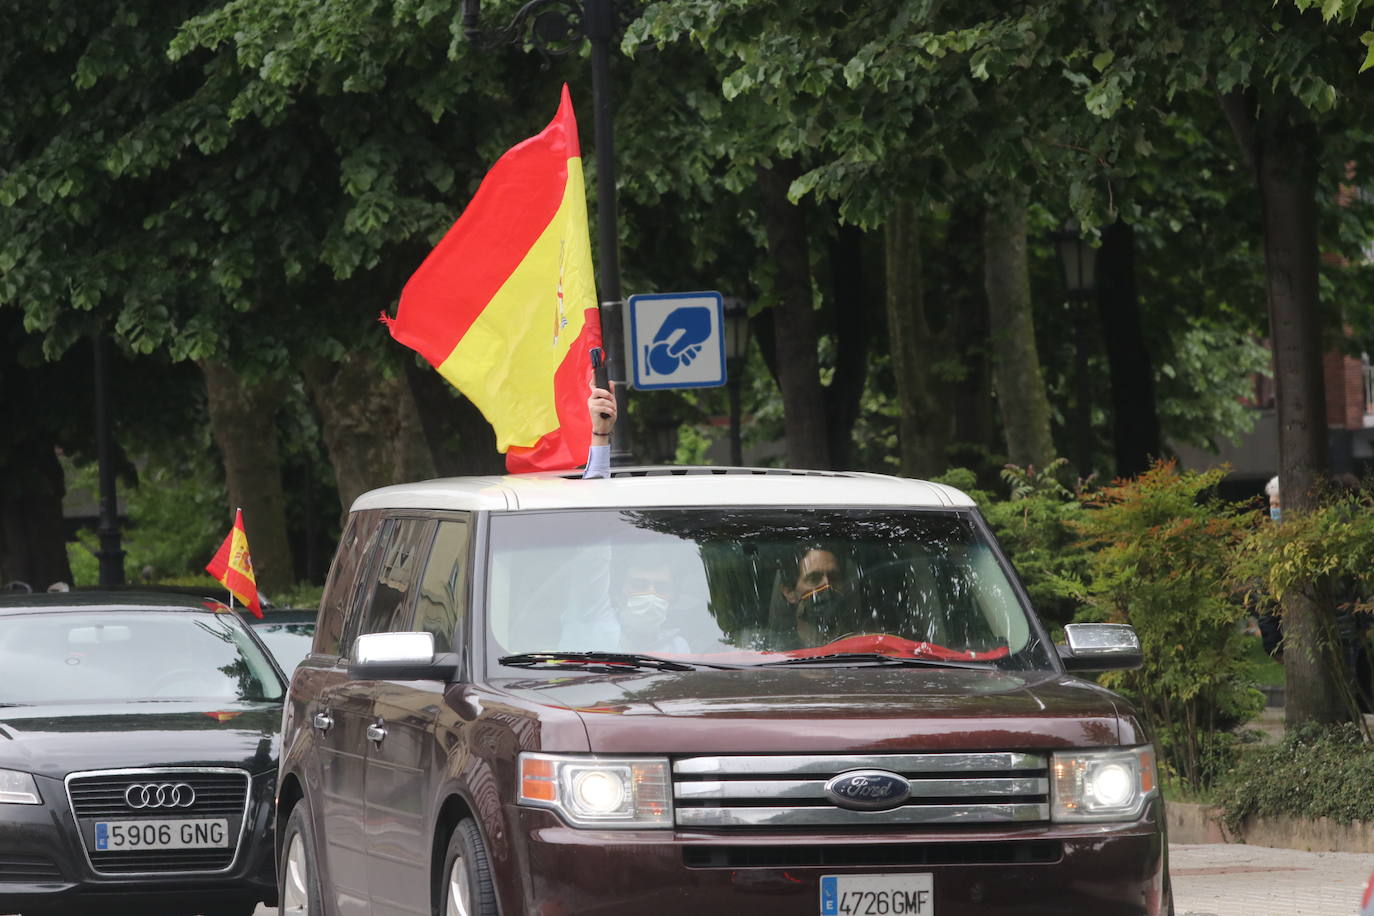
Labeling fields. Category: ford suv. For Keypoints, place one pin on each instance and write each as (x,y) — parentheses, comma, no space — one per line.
(688,691)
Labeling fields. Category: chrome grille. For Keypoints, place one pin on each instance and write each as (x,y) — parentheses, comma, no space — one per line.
(162,860)
(789,791)
(218,794)
(99,795)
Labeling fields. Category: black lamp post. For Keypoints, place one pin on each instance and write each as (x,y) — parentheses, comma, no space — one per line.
(111,554)
(1078,264)
(736,353)
(555,27)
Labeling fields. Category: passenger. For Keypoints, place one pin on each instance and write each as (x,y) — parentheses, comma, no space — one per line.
(644,603)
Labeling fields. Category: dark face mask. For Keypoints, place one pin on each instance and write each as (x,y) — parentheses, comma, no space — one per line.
(823,608)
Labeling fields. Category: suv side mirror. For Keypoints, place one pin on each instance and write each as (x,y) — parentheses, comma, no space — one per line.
(400,657)
(1100,647)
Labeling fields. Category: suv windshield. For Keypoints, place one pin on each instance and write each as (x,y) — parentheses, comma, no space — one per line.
(753,586)
(67,657)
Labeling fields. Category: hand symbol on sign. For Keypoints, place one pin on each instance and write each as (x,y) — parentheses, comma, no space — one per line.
(679,340)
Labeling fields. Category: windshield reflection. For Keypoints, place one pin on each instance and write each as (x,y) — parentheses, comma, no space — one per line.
(754,586)
(112,657)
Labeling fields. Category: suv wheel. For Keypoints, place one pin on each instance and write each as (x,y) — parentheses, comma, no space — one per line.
(298,875)
(467,888)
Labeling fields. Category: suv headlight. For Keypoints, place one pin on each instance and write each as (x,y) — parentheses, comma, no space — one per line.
(599,791)
(18,789)
(1110,785)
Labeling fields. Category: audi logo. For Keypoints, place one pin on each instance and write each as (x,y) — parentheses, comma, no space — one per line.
(160,795)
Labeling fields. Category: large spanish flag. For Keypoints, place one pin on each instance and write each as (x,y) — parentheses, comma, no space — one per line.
(505,306)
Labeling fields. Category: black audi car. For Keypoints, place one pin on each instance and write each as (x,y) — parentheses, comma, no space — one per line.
(138,756)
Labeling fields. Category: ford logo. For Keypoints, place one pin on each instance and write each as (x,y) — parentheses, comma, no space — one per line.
(868,790)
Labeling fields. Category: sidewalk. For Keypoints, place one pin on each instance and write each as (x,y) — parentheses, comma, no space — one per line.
(1233,880)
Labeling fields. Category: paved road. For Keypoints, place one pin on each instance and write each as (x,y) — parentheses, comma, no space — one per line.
(1235,880)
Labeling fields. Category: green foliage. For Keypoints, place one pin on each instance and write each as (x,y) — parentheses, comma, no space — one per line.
(1220,361)
(1036,528)
(1333,542)
(1160,560)
(1312,772)
(303,595)
(176,519)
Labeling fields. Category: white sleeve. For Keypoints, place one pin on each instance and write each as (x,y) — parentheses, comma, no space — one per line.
(598,462)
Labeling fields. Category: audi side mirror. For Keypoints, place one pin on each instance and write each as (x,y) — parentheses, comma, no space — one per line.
(400,657)
(1100,647)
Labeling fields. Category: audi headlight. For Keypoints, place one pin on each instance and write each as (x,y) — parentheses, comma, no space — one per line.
(18,789)
(1111,785)
(599,791)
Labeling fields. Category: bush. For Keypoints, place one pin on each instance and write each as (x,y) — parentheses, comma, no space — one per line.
(1035,528)
(1314,771)
(1161,552)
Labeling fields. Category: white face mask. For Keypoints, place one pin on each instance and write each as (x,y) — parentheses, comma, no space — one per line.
(646,610)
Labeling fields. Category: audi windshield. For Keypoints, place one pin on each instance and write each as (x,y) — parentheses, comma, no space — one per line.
(752,586)
(113,656)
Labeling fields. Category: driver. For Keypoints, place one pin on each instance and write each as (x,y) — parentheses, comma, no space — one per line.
(816,605)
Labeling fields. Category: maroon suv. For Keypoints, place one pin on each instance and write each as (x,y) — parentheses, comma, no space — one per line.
(694,692)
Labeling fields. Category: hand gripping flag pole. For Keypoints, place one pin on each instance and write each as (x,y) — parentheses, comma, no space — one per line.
(505,305)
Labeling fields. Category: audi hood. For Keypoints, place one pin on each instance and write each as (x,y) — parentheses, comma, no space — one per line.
(54,740)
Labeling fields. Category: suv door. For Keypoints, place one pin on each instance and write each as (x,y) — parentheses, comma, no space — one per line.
(400,820)
(382,596)
(309,719)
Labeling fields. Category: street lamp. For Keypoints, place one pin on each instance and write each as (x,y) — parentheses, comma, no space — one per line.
(736,353)
(1078,266)
(554,28)
(110,554)
(1077,262)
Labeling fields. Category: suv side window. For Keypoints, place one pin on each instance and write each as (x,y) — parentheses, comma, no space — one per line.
(388,607)
(335,601)
(441,604)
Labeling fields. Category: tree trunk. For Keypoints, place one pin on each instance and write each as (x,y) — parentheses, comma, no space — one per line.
(33,544)
(370,425)
(849,306)
(976,435)
(459,438)
(1020,385)
(1281,148)
(244,422)
(1288,193)
(1135,420)
(794,321)
(925,424)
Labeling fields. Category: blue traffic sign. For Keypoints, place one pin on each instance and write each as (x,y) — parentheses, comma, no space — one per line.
(677,340)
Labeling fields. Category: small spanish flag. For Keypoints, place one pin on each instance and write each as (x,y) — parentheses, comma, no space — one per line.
(233,567)
(505,305)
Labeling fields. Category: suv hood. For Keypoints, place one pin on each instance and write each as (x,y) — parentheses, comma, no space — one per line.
(834,709)
(54,740)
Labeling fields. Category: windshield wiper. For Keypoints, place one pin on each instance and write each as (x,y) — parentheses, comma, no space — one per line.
(872,659)
(593,661)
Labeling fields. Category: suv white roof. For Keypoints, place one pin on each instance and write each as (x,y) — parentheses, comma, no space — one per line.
(665,487)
